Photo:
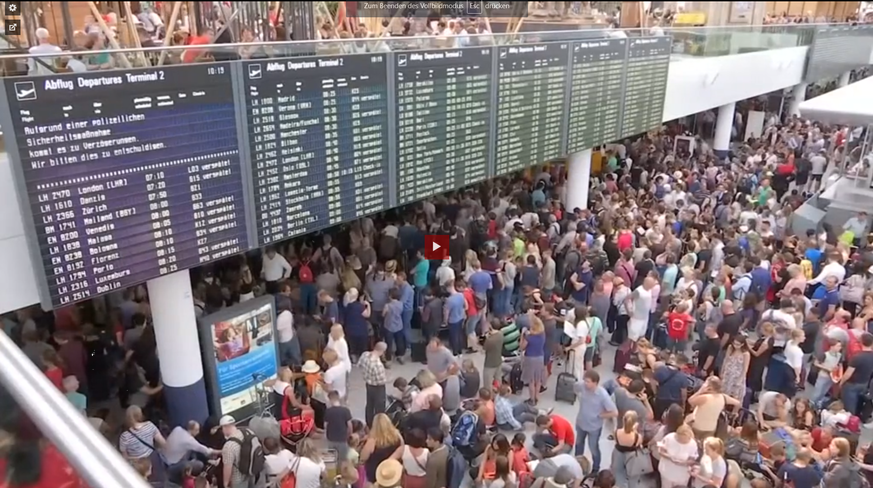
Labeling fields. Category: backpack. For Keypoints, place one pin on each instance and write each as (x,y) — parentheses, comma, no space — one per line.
(305,273)
(464,430)
(456,468)
(854,479)
(251,456)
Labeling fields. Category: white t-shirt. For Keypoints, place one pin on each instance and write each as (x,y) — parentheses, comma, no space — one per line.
(677,452)
(341,347)
(275,268)
(285,326)
(335,379)
(642,304)
(710,469)
(767,400)
(280,387)
(793,355)
(275,464)
(308,472)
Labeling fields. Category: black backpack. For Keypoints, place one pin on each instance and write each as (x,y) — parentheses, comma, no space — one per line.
(251,456)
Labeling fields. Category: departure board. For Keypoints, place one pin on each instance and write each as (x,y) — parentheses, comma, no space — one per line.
(596,93)
(531,91)
(130,174)
(443,120)
(838,49)
(317,129)
(645,84)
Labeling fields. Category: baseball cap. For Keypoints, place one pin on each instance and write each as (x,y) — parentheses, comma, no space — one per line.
(226,420)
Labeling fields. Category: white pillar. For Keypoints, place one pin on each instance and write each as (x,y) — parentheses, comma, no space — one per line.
(798,95)
(578,180)
(178,345)
(844,79)
(724,126)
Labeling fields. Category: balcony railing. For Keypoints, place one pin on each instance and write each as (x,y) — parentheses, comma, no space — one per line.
(691,41)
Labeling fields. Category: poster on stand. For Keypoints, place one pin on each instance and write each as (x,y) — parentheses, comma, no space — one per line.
(240,354)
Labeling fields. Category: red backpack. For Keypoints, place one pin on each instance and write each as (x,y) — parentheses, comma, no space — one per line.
(305,273)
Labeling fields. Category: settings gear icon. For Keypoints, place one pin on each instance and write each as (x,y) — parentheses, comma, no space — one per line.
(13,8)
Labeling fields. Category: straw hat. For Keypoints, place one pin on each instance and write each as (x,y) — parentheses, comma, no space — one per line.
(388,473)
(310,367)
(391,266)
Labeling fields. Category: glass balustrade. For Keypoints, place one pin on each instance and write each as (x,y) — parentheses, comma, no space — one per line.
(687,41)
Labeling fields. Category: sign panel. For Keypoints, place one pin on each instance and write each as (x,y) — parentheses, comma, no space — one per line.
(836,50)
(317,129)
(596,93)
(531,90)
(443,120)
(648,63)
(129,174)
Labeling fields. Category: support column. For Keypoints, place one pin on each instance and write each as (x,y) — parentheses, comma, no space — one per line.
(172,308)
(578,180)
(724,127)
(844,79)
(798,95)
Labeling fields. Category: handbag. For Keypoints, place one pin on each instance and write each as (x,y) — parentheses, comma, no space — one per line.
(851,291)
(639,463)
(290,479)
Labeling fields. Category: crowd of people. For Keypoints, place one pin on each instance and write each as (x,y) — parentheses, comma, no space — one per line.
(740,342)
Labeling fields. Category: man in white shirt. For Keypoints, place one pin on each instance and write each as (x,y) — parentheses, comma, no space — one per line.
(40,67)
(576,328)
(336,374)
(793,353)
(180,449)
(833,268)
(289,347)
(275,269)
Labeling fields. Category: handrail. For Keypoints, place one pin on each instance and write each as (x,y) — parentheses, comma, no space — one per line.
(584,33)
(17,45)
(85,449)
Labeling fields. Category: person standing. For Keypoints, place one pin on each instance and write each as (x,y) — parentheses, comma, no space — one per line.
(492,371)
(289,345)
(407,298)
(455,315)
(375,379)
(274,270)
(641,306)
(595,405)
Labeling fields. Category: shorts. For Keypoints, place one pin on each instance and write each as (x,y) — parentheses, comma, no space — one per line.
(816,177)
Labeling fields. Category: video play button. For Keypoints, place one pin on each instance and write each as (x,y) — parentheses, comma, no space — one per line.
(436,247)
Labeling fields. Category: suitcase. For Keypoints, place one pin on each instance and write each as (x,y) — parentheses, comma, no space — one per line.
(565,388)
(419,352)
(515,382)
(623,356)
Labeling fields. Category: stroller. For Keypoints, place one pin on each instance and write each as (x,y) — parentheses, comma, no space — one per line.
(396,411)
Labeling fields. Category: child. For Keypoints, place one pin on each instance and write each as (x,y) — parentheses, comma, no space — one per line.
(188,476)
(407,392)
(828,364)
(520,456)
(337,425)
(80,401)
(470,379)
(354,459)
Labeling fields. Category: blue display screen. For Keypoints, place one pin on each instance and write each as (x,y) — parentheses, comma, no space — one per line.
(129,174)
(317,129)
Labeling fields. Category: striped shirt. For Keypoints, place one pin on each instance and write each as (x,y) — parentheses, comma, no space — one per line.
(136,443)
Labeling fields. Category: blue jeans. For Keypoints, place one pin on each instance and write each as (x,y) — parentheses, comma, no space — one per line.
(593,446)
(503,302)
(852,396)
(392,340)
(471,323)
(406,317)
(823,384)
(289,352)
(456,337)
(309,298)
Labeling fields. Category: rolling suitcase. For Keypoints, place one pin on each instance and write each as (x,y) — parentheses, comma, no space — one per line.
(623,356)
(419,352)
(565,388)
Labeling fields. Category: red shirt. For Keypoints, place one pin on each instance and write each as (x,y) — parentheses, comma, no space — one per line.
(562,430)
(677,325)
(471,302)
(56,472)
(625,240)
(56,375)
(520,459)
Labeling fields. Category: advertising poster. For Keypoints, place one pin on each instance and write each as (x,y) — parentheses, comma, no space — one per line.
(242,350)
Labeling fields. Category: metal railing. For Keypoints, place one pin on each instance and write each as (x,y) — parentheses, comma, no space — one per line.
(692,41)
(94,459)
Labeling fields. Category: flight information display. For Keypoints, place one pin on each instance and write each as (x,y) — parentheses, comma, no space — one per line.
(130,174)
(531,90)
(317,129)
(648,62)
(596,93)
(443,120)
